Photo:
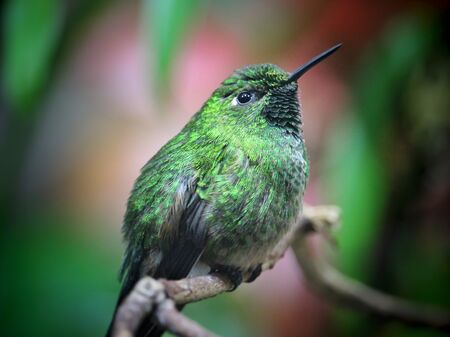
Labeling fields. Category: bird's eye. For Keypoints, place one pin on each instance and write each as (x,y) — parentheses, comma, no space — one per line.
(245,97)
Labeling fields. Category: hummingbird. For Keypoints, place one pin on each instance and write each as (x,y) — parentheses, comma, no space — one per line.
(221,194)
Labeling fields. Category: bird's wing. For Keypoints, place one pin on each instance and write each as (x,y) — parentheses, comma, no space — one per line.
(182,241)
(183,236)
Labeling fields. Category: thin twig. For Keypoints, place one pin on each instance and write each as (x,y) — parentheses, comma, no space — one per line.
(197,289)
(336,287)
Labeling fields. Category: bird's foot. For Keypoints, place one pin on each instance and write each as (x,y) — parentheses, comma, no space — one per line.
(234,274)
(254,273)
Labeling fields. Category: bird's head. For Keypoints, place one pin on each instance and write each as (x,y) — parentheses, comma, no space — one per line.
(260,96)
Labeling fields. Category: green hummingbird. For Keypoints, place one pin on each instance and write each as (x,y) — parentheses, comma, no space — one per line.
(221,194)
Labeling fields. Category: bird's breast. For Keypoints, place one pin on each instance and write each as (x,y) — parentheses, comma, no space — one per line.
(252,204)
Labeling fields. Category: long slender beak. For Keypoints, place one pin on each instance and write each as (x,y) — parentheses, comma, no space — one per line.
(297,73)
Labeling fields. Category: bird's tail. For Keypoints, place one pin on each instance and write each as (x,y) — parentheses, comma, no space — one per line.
(149,329)
(123,293)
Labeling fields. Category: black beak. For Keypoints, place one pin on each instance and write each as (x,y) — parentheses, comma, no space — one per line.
(297,73)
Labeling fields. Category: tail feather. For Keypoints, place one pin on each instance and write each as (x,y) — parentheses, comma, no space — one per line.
(126,289)
(149,329)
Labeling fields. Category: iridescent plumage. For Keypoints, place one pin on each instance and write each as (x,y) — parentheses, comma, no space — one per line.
(224,190)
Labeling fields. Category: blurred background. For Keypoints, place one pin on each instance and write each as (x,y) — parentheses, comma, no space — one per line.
(90,90)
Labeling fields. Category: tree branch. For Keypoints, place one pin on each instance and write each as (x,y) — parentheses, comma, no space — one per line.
(332,285)
(159,297)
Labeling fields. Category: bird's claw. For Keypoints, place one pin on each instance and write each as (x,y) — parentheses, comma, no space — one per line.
(234,274)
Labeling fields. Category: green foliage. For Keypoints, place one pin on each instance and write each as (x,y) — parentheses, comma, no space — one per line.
(57,280)
(356,155)
(167,23)
(356,180)
(360,172)
(385,68)
(32,29)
